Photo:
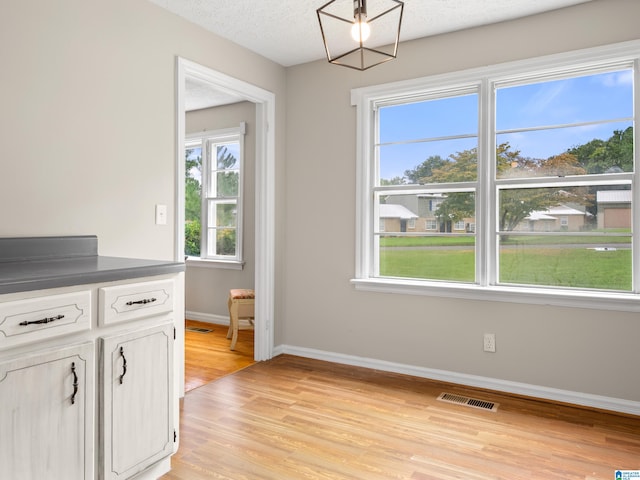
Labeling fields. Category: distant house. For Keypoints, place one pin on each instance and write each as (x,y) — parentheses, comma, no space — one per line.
(614,208)
(555,219)
(426,219)
(396,218)
(613,211)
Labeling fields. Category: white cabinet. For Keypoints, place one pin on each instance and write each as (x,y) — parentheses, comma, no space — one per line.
(87,387)
(137,400)
(47,415)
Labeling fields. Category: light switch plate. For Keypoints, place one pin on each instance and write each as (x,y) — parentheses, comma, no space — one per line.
(161,214)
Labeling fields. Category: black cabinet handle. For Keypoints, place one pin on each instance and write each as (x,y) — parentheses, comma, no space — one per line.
(44,320)
(124,365)
(75,383)
(141,302)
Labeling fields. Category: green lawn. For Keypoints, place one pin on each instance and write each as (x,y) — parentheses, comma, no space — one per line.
(460,240)
(565,267)
(453,265)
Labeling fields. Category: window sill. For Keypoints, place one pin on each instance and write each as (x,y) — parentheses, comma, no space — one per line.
(624,302)
(206,263)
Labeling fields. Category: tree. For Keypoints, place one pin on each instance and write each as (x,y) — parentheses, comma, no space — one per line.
(423,172)
(602,156)
(561,166)
(461,167)
(515,205)
(192,238)
(193,187)
(393,181)
(192,201)
(226,181)
(456,207)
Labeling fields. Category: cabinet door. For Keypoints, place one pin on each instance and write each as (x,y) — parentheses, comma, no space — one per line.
(137,400)
(46,415)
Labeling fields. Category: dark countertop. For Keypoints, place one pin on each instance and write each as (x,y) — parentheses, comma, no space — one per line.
(37,272)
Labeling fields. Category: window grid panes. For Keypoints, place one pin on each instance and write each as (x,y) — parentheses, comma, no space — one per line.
(438,146)
(569,129)
(222,198)
(213,195)
(558,151)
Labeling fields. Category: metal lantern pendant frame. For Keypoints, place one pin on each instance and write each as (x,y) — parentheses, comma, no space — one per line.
(339,21)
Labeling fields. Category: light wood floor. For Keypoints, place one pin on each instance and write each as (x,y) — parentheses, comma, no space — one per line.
(207,355)
(292,418)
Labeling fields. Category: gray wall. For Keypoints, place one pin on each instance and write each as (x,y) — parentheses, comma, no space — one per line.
(207,288)
(572,349)
(87,124)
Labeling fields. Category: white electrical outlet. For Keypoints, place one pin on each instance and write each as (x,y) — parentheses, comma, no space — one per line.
(490,342)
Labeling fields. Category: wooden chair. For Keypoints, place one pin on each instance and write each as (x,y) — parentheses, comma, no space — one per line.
(241,307)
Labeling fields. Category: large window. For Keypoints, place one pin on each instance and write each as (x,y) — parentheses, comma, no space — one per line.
(522,175)
(213,195)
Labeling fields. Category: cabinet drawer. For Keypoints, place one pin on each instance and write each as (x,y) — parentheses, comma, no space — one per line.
(24,321)
(123,303)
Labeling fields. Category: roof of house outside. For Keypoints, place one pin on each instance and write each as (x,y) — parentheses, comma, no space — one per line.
(553,212)
(390,210)
(564,210)
(535,216)
(614,196)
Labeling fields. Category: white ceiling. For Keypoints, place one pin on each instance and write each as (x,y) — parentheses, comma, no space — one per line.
(287,31)
(199,95)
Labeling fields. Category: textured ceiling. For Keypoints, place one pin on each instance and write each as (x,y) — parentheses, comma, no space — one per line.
(287,31)
(199,94)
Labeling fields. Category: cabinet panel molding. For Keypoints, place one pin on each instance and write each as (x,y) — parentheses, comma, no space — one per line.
(123,303)
(137,426)
(29,320)
(47,416)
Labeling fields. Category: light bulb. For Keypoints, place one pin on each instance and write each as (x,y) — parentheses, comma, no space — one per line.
(360,30)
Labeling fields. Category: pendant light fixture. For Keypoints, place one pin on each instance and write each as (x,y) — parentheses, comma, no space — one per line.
(360,34)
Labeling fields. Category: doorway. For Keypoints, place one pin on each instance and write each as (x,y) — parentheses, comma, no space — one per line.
(264,101)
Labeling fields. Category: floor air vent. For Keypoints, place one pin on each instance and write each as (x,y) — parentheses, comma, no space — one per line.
(198,329)
(468,402)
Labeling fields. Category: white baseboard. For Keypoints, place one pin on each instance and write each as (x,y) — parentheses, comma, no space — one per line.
(208,318)
(576,398)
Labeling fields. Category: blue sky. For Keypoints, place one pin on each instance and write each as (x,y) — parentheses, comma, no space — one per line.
(595,98)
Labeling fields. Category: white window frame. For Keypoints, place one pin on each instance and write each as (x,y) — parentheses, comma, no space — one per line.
(208,141)
(365,99)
